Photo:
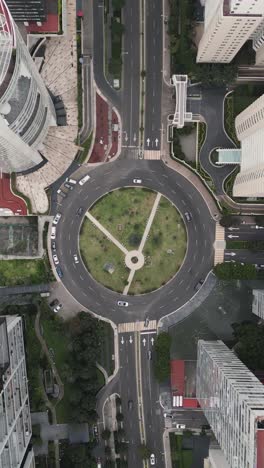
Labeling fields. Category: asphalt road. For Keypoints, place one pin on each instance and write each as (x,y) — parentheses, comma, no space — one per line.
(153,414)
(128,392)
(244,232)
(130,93)
(199,256)
(245,256)
(153,80)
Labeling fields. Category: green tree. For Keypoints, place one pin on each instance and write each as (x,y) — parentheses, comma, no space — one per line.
(118,4)
(250,344)
(106,434)
(144,451)
(259,220)
(162,356)
(117,29)
(120,417)
(235,270)
(230,220)
(108,451)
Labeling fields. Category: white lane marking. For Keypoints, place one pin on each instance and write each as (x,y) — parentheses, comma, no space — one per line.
(183,202)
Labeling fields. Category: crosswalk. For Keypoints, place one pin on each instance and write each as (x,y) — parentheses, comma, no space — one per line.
(136,326)
(152,154)
(219,244)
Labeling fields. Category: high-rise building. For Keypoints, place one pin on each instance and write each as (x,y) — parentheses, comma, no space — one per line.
(232,399)
(26,109)
(228,24)
(15,422)
(258,303)
(250,131)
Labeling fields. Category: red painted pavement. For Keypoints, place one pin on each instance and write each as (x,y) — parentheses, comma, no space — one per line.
(8,199)
(49,26)
(103,127)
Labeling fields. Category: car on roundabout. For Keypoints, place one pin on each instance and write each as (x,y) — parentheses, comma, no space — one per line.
(75,258)
(122,303)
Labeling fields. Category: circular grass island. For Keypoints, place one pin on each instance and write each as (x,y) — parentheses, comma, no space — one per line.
(133,240)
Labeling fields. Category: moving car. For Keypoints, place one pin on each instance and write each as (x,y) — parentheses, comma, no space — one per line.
(53,232)
(130,404)
(149,354)
(84,179)
(168,415)
(57,218)
(75,257)
(55,259)
(71,181)
(57,308)
(152,459)
(188,216)
(59,271)
(137,181)
(122,303)
(180,426)
(80,211)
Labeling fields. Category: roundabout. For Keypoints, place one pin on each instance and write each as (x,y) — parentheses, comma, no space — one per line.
(133,240)
(198,260)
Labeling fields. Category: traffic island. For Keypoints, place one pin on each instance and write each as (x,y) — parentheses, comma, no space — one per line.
(134,241)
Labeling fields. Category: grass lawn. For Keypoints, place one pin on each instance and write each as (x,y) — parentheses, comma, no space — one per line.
(124,213)
(96,251)
(181,458)
(107,348)
(167,232)
(16,272)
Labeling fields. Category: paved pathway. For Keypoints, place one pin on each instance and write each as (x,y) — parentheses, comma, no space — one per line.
(143,240)
(106,232)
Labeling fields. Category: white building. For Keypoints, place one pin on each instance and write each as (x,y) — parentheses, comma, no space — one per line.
(216,459)
(15,422)
(250,131)
(228,24)
(26,109)
(232,399)
(258,303)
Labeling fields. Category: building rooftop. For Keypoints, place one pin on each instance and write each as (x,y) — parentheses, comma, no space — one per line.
(27,10)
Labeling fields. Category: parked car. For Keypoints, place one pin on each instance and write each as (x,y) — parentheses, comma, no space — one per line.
(57,308)
(180,426)
(122,303)
(84,179)
(54,303)
(80,211)
(53,245)
(68,186)
(152,459)
(57,218)
(75,257)
(61,193)
(71,181)
(55,259)
(137,181)
(59,271)
(188,216)
(53,232)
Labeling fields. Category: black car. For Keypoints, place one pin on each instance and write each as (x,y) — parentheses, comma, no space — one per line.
(80,211)
(54,303)
(59,271)
(53,245)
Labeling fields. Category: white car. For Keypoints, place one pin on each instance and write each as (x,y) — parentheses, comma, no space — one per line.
(57,308)
(53,232)
(75,257)
(55,259)
(84,179)
(71,181)
(122,303)
(137,181)
(57,218)
(152,459)
(180,426)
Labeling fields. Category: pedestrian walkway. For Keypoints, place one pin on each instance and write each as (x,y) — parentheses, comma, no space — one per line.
(106,232)
(9,202)
(152,154)
(136,326)
(219,244)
